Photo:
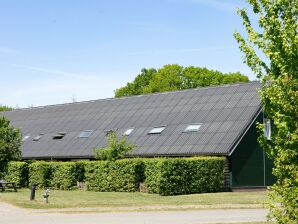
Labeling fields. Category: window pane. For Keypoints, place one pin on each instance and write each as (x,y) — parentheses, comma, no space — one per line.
(157,130)
(192,128)
(60,135)
(37,137)
(26,137)
(85,134)
(128,131)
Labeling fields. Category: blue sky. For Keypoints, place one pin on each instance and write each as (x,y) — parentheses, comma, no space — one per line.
(54,51)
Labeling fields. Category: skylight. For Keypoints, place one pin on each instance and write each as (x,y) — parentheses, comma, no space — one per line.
(37,137)
(157,130)
(60,135)
(85,134)
(192,128)
(128,132)
(25,138)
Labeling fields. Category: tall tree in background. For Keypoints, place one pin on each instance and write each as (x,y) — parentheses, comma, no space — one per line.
(137,86)
(175,77)
(10,143)
(278,41)
(4,108)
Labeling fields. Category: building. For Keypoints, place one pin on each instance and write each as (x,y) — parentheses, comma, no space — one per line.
(212,121)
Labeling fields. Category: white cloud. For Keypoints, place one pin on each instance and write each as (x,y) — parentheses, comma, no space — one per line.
(58,88)
(58,72)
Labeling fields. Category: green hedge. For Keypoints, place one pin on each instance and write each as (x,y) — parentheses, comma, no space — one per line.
(58,175)
(165,176)
(17,172)
(40,173)
(66,174)
(173,176)
(121,175)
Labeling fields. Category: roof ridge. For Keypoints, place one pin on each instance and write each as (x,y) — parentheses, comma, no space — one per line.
(151,94)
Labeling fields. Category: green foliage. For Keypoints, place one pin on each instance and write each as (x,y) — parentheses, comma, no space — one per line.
(10,143)
(66,174)
(116,148)
(120,176)
(4,108)
(277,40)
(59,175)
(136,87)
(184,175)
(40,173)
(165,176)
(17,172)
(175,77)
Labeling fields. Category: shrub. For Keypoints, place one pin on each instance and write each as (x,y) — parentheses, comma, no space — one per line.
(116,148)
(64,175)
(17,172)
(40,173)
(120,175)
(175,176)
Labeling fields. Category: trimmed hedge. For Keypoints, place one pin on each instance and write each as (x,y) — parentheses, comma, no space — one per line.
(59,175)
(66,174)
(174,176)
(40,173)
(165,176)
(17,172)
(120,175)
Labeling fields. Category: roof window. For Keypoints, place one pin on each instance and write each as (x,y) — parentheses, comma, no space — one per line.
(60,135)
(157,130)
(128,132)
(36,138)
(192,128)
(25,137)
(85,134)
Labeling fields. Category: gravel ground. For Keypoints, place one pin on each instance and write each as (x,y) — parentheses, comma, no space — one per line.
(12,215)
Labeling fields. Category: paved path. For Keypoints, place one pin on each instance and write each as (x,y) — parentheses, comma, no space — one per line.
(13,215)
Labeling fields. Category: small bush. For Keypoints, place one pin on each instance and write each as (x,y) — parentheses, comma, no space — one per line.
(17,172)
(175,176)
(120,175)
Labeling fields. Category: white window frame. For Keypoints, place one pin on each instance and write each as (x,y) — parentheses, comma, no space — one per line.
(85,136)
(38,137)
(193,127)
(128,131)
(157,129)
(25,138)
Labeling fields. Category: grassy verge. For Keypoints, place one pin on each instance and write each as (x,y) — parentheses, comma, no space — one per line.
(87,199)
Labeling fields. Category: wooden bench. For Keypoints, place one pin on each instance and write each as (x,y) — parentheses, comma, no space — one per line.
(10,185)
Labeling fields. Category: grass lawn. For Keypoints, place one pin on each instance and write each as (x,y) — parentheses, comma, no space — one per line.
(88,199)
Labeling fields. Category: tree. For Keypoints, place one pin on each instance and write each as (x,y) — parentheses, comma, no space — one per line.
(4,108)
(115,149)
(10,143)
(136,87)
(176,77)
(277,41)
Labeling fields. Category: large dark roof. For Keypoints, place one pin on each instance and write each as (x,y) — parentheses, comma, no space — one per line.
(225,113)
